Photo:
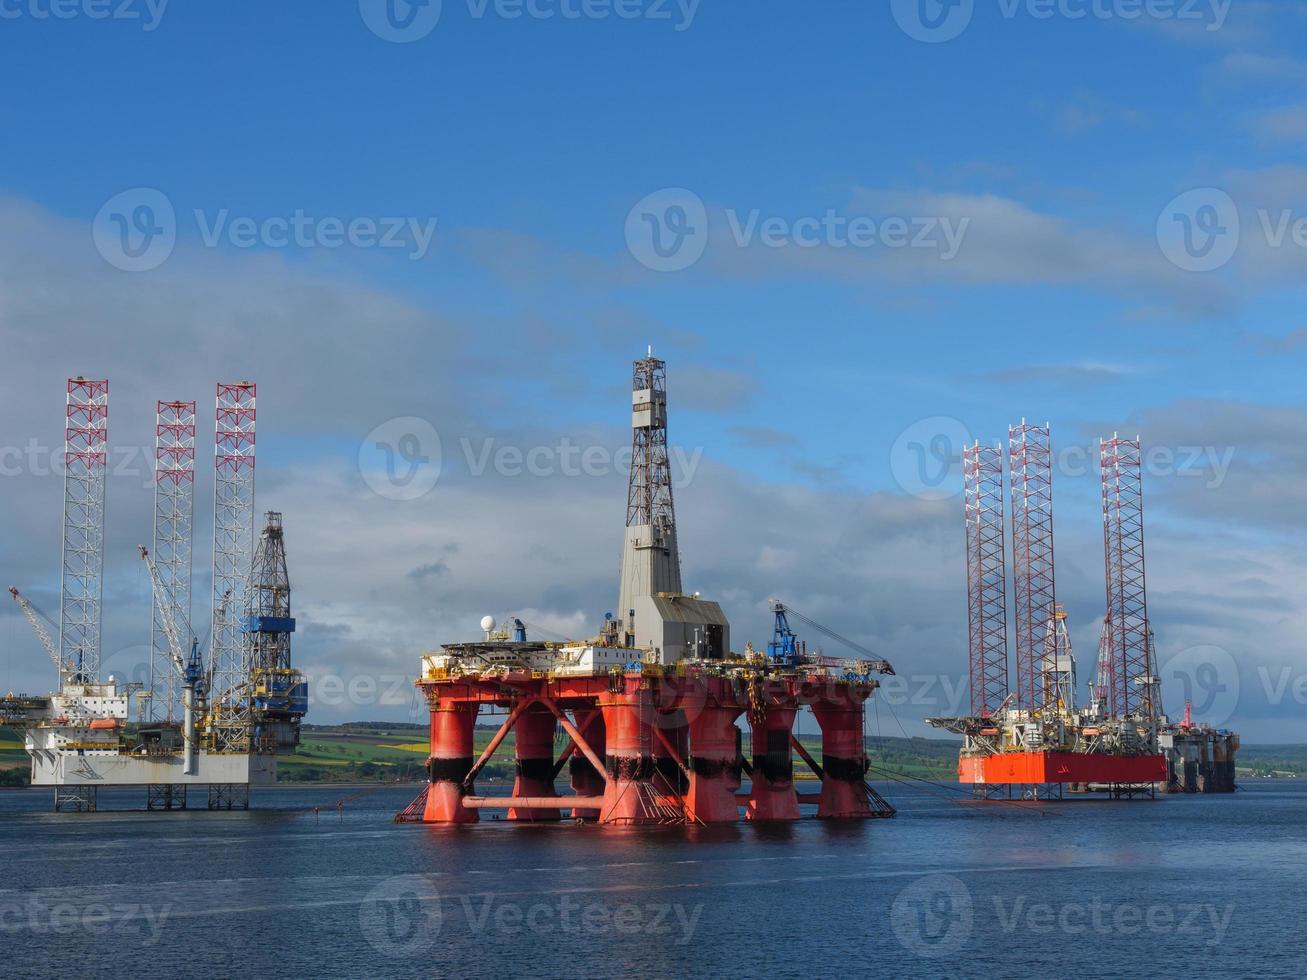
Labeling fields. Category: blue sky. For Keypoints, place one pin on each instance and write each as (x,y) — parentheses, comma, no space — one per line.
(1060,144)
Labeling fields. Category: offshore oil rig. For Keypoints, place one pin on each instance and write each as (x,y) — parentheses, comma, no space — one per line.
(1033,740)
(215,723)
(649,707)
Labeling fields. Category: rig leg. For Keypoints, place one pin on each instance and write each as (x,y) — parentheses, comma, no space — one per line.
(534,740)
(715,770)
(584,778)
(452,726)
(843,758)
(165,796)
(76,798)
(229,796)
(629,791)
(773,796)
(668,776)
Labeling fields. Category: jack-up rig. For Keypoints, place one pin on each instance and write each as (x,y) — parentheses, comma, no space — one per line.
(217,723)
(1032,740)
(649,708)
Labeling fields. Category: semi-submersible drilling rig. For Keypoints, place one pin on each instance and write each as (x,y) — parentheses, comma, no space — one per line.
(650,706)
(214,723)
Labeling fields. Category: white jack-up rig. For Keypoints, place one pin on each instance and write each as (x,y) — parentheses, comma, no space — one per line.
(217,723)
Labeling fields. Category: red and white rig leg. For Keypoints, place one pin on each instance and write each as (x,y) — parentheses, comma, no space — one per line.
(715,772)
(452,725)
(843,756)
(534,740)
(773,796)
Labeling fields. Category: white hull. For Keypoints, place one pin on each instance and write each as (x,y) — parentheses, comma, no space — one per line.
(53,768)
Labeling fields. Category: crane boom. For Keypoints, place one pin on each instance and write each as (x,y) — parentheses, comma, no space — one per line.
(34,618)
(219,620)
(874,660)
(166,607)
(193,683)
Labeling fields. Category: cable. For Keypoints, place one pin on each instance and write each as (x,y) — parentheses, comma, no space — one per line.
(537,628)
(958,789)
(831,633)
(907,779)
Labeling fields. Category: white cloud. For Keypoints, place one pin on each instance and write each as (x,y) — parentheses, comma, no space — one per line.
(378,581)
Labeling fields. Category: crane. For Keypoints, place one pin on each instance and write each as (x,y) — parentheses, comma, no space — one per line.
(34,617)
(187,667)
(786,645)
(785,649)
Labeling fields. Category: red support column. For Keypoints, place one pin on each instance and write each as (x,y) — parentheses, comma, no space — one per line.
(534,743)
(773,796)
(843,756)
(452,725)
(585,780)
(715,770)
(629,759)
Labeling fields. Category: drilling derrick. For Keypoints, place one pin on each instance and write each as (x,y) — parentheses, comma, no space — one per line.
(174,495)
(651,563)
(278,695)
(1030,458)
(1058,665)
(81,582)
(233,534)
(1132,674)
(982,468)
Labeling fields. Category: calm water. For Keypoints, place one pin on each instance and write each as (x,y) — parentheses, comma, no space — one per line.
(1177,887)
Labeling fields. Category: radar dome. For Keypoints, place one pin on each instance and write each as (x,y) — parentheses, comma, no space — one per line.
(487,623)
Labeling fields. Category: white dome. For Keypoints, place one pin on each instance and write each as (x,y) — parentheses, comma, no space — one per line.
(487,623)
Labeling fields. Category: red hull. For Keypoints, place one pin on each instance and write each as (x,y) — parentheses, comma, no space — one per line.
(1061,767)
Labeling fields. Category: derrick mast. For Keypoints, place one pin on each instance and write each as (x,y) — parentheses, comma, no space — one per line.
(1058,666)
(1129,644)
(233,535)
(982,468)
(651,563)
(174,502)
(277,693)
(86,428)
(1030,459)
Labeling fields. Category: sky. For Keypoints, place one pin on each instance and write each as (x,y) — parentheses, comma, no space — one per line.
(861,235)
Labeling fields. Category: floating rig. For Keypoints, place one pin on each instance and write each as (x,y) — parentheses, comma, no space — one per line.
(650,709)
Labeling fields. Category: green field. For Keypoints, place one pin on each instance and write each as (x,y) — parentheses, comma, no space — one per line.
(367,751)
(390,752)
